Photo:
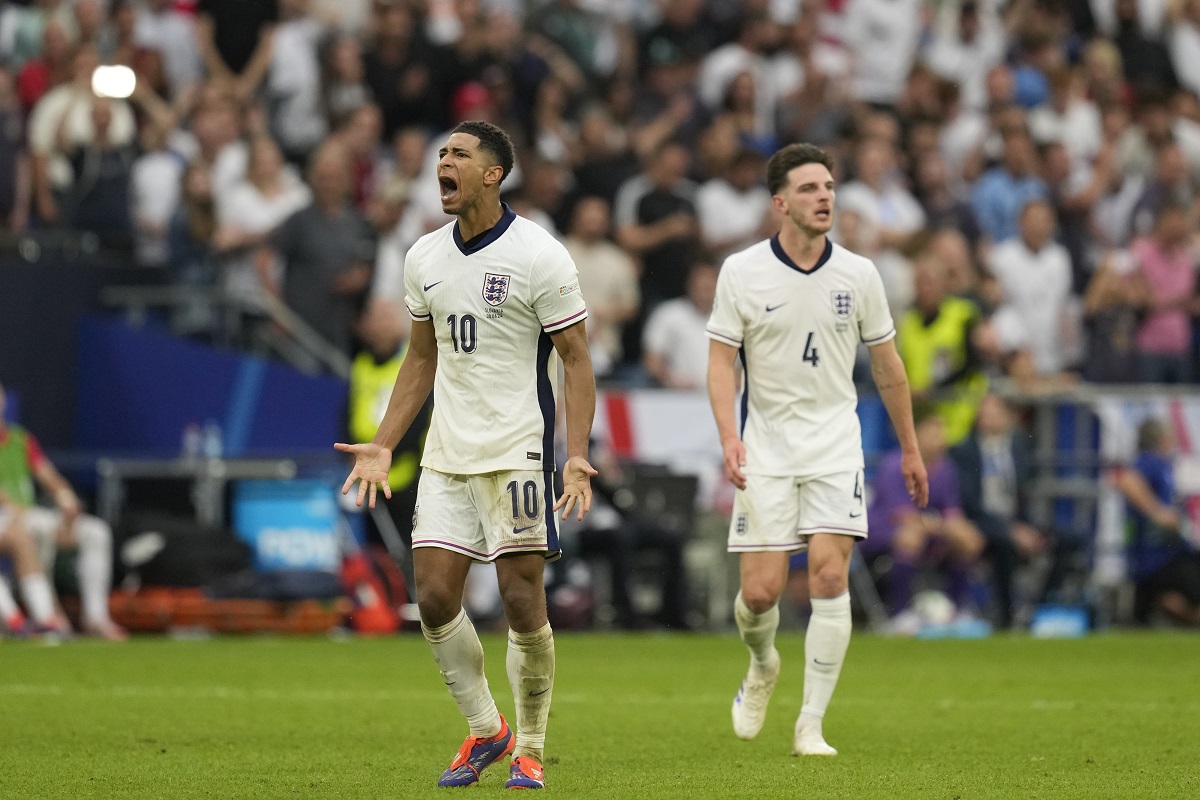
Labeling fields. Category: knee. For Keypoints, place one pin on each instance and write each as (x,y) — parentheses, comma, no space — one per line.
(437,603)
(828,580)
(761,597)
(522,601)
(92,532)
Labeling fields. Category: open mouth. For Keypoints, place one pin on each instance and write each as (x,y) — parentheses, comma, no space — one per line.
(449,188)
(823,214)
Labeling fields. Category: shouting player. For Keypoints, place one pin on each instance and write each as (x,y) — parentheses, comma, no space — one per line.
(493,297)
(794,308)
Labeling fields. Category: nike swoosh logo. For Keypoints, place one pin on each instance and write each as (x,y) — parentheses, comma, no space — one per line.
(772,308)
(539,694)
(521,530)
(431,285)
(821,663)
(855,516)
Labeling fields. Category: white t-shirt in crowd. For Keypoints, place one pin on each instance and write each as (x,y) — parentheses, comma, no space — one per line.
(1037,286)
(675,331)
(799,334)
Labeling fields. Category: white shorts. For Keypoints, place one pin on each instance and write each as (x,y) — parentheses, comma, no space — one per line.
(774,513)
(484,516)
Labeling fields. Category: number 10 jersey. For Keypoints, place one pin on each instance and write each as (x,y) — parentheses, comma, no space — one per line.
(493,301)
(799,333)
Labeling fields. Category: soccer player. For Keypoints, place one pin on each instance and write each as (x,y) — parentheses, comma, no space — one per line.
(794,308)
(493,298)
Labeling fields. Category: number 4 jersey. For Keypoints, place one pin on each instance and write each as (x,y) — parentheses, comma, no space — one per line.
(493,301)
(799,333)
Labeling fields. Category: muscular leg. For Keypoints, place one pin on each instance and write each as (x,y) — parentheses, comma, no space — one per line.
(441,576)
(827,638)
(756,610)
(530,648)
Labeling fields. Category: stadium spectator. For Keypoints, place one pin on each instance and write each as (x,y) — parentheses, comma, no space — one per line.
(343,82)
(31,28)
(608,279)
(1162,561)
(967,41)
(884,36)
(24,469)
(735,78)
(161,28)
(1171,184)
(674,351)
(938,535)
(1168,264)
(810,78)
(100,202)
(1113,306)
(1004,190)
(155,182)
(61,122)
(944,207)
(734,209)
(935,341)
(995,470)
(247,216)
(1183,43)
(235,39)
(293,81)
(395,70)
(1143,55)
(53,67)
(1155,126)
(1034,276)
(118,44)
(328,250)
(193,260)
(1068,117)
(14,167)
(878,195)
(606,159)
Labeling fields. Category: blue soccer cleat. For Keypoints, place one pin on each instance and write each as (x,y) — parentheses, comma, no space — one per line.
(475,755)
(525,773)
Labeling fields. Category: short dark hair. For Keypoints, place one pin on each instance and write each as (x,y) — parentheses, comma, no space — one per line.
(492,140)
(788,158)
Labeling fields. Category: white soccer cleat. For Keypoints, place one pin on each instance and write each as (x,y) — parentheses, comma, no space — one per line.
(810,742)
(750,704)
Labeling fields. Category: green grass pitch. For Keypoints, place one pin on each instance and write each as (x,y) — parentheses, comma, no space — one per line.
(1113,715)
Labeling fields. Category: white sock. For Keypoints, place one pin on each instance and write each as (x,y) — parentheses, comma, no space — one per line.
(94,568)
(459,655)
(8,606)
(824,651)
(39,598)
(757,630)
(531,673)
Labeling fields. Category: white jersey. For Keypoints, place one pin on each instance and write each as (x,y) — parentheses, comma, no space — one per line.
(799,333)
(494,301)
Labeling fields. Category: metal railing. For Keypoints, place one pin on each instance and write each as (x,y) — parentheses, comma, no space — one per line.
(230,322)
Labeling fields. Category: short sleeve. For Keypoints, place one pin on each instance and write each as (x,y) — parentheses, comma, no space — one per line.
(557,299)
(414,294)
(34,454)
(875,324)
(726,324)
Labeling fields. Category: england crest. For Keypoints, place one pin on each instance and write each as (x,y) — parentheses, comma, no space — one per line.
(843,303)
(495,288)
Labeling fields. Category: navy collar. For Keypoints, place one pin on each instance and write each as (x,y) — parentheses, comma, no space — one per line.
(477,243)
(777,248)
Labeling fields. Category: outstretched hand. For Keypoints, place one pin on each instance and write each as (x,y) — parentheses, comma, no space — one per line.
(577,487)
(371,465)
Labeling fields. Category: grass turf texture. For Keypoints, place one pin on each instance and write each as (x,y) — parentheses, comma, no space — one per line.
(633,717)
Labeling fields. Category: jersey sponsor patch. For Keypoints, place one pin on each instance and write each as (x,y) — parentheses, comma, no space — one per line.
(843,303)
(570,288)
(495,288)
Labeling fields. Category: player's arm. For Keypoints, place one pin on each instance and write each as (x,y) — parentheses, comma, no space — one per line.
(413,384)
(887,370)
(1137,493)
(580,390)
(55,485)
(722,385)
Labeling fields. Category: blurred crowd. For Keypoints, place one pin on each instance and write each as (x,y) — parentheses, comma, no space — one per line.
(1023,172)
